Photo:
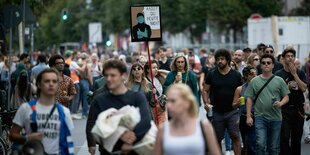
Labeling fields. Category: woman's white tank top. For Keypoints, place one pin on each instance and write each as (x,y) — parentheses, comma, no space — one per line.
(183,145)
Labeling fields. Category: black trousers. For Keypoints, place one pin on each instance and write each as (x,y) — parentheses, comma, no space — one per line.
(291,129)
(248,137)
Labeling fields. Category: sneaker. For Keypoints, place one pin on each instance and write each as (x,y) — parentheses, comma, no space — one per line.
(227,153)
(75,116)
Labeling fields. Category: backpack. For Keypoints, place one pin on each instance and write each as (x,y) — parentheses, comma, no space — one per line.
(66,146)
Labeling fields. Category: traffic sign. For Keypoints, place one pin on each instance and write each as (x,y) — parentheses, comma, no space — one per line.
(12,16)
(95,32)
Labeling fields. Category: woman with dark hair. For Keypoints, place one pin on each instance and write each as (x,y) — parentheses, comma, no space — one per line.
(180,73)
(205,69)
(158,90)
(137,82)
(247,132)
(23,90)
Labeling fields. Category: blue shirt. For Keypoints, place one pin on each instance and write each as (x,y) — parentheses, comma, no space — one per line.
(36,70)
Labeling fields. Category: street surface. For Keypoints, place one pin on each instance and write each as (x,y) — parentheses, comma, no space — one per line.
(81,147)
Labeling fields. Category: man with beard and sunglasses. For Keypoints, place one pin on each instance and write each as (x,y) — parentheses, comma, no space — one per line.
(219,89)
(267,107)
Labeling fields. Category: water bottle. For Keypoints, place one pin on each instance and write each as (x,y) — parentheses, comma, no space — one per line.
(241,101)
(210,111)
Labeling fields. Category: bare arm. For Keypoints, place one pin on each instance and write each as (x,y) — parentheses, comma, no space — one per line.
(249,119)
(237,95)
(15,135)
(212,143)
(162,71)
(301,85)
(82,69)
(201,80)
(90,77)
(205,93)
(249,103)
(158,150)
(284,100)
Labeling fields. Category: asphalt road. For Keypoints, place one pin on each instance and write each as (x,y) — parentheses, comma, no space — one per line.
(81,147)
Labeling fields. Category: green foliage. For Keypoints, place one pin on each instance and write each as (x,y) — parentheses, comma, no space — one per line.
(234,13)
(177,16)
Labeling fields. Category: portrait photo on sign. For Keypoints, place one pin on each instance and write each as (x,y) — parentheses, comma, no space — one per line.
(145,23)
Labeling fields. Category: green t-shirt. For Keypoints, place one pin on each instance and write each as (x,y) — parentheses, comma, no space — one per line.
(276,88)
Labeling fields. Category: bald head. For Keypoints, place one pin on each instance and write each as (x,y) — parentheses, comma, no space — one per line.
(297,64)
(238,56)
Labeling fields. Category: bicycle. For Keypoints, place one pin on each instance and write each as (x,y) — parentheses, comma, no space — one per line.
(6,123)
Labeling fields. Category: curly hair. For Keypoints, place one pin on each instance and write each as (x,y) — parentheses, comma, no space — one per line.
(223,53)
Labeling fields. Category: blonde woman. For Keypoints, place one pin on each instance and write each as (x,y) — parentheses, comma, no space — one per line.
(253,60)
(185,134)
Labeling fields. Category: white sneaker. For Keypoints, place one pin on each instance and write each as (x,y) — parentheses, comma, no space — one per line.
(232,153)
(75,116)
(227,153)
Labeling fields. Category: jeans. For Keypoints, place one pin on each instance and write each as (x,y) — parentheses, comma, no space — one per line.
(267,136)
(227,141)
(76,99)
(84,90)
(292,128)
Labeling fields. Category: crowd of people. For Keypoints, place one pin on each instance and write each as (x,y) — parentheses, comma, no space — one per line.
(253,99)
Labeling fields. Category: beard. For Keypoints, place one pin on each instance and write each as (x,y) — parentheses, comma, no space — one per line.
(222,66)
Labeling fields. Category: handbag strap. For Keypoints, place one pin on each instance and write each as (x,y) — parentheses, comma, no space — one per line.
(256,97)
(157,92)
(32,104)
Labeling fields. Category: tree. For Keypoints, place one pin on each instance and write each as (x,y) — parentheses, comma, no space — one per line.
(181,15)
(233,14)
(303,10)
(229,14)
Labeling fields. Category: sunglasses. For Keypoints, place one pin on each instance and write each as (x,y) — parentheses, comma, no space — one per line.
(266,62)
(269,51)
(256,59)
(137,69)
(59,63)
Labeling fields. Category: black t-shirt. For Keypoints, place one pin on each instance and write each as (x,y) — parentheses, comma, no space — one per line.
(296,96)
(165,66)
(222,89)
(108,100)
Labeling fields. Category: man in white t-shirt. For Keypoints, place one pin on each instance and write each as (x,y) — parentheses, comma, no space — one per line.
(48,123)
